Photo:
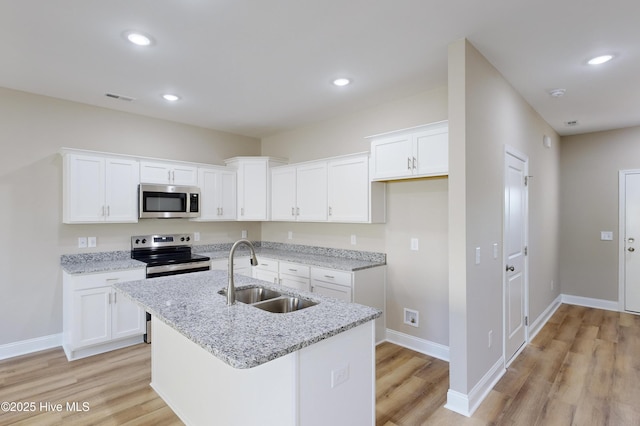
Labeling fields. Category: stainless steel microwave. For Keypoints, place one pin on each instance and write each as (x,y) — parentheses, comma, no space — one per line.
(168,201)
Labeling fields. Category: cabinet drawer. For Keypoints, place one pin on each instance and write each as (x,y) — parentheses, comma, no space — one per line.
(264,275)
(331,276)
(86,281)
(294,269)
(266,264)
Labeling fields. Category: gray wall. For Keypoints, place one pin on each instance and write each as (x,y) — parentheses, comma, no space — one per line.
(418,209)
(485,115)
(33,130)
(590,165)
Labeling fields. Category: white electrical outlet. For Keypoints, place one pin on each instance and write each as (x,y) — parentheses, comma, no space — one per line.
(606,236)
(196,236)
(92,241)
(244,234)
(495,250)
(414,244)
(353,239)
(290,235)
(339,375)
(477,255)
(490,337)
(411,317)
(82,242)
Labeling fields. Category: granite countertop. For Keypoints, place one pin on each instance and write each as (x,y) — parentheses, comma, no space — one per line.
(241,335)
(338,259)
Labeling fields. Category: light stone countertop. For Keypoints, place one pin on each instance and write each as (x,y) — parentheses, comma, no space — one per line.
(241,335)
(339,259)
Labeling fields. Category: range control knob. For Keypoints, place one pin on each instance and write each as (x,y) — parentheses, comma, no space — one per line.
(182,239)
(188,238)
(144,241)
(137,240)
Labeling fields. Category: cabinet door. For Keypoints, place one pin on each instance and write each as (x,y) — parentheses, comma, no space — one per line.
(349,190)
(227,195)
(264,275)
(121,190)
(208,183)
(252,190)
(91,320)
(128,319)
(283,193)
(331,290)
(432,152)
(392,157)
(311,192)
(182,174)
(299,283)
(155,173)
(84,189)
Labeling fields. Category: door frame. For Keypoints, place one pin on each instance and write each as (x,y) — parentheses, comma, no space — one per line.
(622,225)
(510,151)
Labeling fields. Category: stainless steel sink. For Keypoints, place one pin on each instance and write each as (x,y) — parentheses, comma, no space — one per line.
(285,304)
(253,295)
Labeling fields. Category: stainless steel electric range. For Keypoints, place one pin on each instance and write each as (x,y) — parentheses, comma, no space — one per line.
(167,255)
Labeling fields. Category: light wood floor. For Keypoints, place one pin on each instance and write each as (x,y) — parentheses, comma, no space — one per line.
(583,368)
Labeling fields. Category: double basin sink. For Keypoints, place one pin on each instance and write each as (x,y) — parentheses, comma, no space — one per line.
(270,300)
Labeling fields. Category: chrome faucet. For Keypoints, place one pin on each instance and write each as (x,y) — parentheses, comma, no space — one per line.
(231,287)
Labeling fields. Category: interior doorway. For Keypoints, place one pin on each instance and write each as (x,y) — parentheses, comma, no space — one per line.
(515,287)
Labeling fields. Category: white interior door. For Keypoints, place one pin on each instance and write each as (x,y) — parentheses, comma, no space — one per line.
(515,243)
(632,241)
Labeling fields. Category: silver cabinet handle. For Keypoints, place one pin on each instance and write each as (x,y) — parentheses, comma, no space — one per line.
(408,163)
(293,270)
(329,276)
(297,211)
(169,175)
(631,249)
(414,162)
(108,210)
(293,211)
(275,280)
(511,268)
(109,298)
(330,210)
(241,211)
(115,298)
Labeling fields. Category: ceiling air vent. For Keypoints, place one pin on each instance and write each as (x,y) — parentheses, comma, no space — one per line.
(120,97)
(571,123)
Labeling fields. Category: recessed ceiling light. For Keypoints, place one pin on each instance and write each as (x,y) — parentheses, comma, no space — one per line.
(341,82)
(600,59)
(170,97)
(138,38)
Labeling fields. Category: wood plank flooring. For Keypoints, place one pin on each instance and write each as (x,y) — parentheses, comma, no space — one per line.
(583,368)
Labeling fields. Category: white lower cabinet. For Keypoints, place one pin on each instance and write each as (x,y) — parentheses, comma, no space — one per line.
(288,274)
(241,265)
(96,318)
(365,286)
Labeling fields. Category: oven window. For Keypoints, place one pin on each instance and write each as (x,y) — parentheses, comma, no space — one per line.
(165,202)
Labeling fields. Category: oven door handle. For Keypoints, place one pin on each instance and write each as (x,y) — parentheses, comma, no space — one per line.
(177,267)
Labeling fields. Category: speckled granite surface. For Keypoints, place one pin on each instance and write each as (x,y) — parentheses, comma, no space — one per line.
(324,257)
(339,259)
(87,263)
(241,335)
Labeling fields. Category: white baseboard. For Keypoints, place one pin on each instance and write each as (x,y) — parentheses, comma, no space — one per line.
(468,404)
(588,302)
(542,319)
(417,344)
(24,347)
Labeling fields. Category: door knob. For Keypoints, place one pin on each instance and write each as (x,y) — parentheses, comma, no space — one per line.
(631,249)
(511,268)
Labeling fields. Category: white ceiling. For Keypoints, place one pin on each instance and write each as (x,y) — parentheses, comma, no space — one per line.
(259,67)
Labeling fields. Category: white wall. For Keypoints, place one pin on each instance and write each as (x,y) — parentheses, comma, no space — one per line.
(485,114)
(33,130)
(418,209)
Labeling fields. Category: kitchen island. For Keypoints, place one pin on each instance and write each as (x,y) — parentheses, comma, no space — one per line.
(219,364)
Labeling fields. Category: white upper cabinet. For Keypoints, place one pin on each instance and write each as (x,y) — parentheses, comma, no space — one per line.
(417,152)
(217,193)
(254,186)
(352,197)
(99,189)
(168,173)
(299,193)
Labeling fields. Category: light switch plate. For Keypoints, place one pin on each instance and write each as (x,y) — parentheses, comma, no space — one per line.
(92,241)
(196,236)
(290,235)
(353,239)
(82,242)
(477,255)
(414,244)
(606,235)
(244,234)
